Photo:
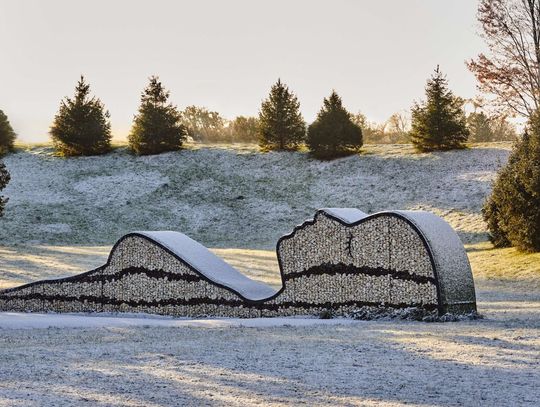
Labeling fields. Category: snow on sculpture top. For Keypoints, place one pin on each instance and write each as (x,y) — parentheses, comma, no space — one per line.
(210,265)
(340,261)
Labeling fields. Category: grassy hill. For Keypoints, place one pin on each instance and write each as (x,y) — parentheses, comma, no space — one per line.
(236,200)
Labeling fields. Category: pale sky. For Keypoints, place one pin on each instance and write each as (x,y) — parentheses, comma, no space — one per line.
(225,55)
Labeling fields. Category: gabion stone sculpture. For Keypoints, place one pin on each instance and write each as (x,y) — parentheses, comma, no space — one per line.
(340,261)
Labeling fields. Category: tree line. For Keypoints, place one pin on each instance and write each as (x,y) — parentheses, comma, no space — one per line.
(82,124)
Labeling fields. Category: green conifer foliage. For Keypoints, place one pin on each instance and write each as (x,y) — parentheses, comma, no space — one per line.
(512,211)
(7,135)
(439,123)
(81,126)
(480,127)
(334,133)
(157,127)
(4,179)
(281,125)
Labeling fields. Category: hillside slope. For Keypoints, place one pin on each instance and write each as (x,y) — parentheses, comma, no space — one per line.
(234,197)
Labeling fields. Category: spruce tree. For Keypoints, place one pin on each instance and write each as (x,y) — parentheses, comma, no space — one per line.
(334,133)
(81,126)
(7,135)
(439,123)
(480,128)
(4,179)
(512,210)
(157,126)
(281,125)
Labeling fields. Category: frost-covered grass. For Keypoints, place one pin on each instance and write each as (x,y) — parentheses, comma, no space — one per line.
(121,362)
(233,197)
(65,214)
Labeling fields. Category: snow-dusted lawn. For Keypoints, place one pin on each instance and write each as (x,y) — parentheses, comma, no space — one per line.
(123,361)
(64,215)
(234,197)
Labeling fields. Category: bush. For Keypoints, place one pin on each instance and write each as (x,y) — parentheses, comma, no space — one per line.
(7,135)
(4,179)
(81,126)
(281,125)
(157,127)
(244,129)
(333,133)
(512,210)
(439,123)
(203,125)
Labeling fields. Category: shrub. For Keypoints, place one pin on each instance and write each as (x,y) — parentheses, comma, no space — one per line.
(204,125)
(81,126)
(512,210)
(244,129)
(157,127)
(333,133)
(439,123)
(7,135)
(4,179)
(281,125)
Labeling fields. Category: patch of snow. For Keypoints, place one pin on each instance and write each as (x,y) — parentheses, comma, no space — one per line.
(120,187)
(17,320)
(482,176)
(347,215)
(55,228)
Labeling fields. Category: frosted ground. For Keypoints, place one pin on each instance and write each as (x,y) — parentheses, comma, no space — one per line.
(64,215)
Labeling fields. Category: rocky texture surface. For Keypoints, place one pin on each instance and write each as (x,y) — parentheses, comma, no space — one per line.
(337,262)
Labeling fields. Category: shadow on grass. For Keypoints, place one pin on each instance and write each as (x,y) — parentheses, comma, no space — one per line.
(372,363)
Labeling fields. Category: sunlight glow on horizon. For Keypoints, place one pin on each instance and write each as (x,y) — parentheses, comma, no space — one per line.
(226,55)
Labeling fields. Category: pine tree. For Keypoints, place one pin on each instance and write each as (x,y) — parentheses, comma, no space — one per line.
(7,135)
(4,179)
(281,125)
(157,127)
(512,210)
(480,128)
(81,126)
(334,133)
(439,123)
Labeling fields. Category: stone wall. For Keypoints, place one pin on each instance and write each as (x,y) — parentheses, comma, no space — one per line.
(330,263)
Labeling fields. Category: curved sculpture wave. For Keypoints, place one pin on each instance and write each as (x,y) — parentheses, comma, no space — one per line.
(339,261)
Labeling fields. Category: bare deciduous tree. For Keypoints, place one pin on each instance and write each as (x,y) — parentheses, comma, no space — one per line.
(399,123)
(511,71)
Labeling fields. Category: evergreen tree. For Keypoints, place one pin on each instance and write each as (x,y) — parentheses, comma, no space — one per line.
(281,125)
(81,126)
(4,179)
(157,127)
(480,128)
(512,210)
(7,135)
(334,133)
(439,123)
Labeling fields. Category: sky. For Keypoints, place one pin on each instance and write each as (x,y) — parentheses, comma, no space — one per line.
(225,55)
